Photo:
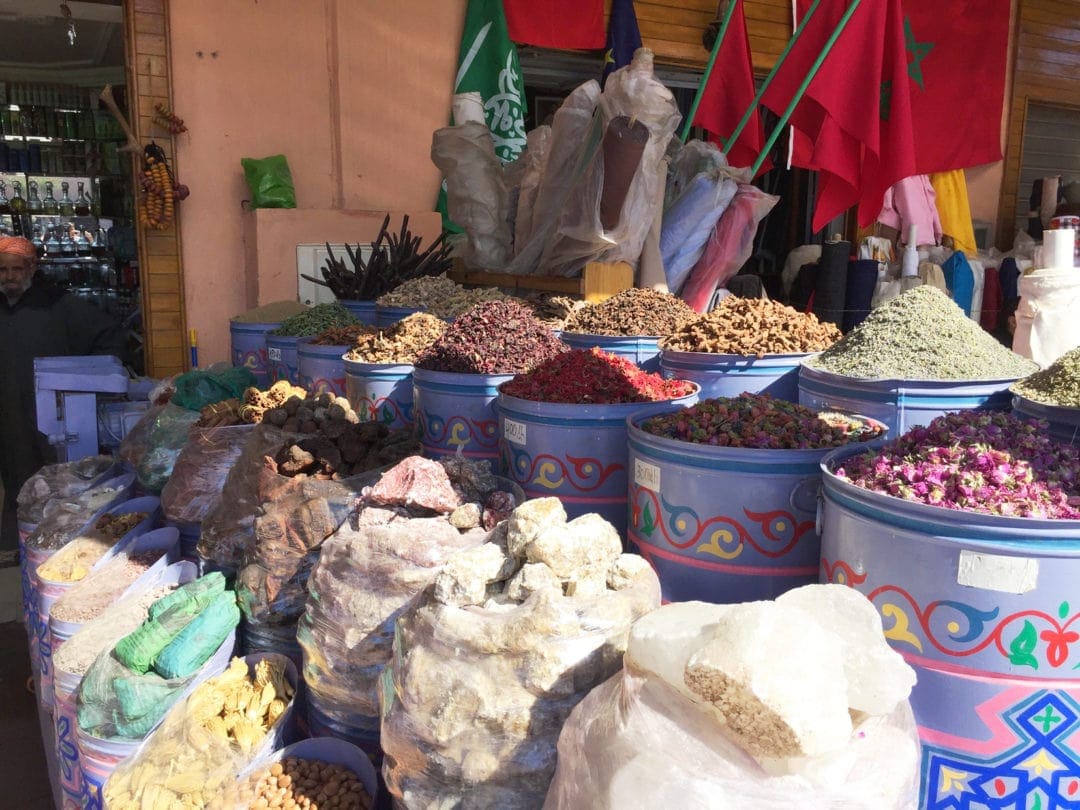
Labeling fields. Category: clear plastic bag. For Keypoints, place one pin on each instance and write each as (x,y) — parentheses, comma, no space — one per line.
(63,519)
(62,481)
(154,443)
(200,471)
(729,246)
(689,222)
(530,172)
(477,197)
(228,525)
(295,517)
(476,696)
(635,743)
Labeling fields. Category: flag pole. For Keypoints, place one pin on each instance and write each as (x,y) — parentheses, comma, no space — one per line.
(689,123)
(805,84)
(768,79)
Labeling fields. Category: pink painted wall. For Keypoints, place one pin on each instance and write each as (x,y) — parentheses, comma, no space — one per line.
(340,87)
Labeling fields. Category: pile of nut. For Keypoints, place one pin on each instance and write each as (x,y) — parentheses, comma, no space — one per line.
(304,783)
(753,327)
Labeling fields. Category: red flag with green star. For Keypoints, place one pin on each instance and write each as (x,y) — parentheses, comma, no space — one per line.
(957,65)
(857,129)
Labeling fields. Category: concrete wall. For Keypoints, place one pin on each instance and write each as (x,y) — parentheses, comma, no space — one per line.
(340,87)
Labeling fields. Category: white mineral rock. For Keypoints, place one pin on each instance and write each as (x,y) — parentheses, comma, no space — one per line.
(625,570)
(529,520)
(778,679)
(877,676)
(531,578)
(466,516)
(587,542)
(465,578)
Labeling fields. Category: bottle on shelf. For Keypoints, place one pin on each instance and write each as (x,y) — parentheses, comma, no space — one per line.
(95,204)
(34,204)
(38,241)
(67,207)
(18,204)
(5,206)
(82,202)
(49,205)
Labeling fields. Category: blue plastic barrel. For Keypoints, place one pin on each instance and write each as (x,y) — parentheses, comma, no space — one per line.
(456,412)
(281,358)
(576,453)
(360,730)
(644,350)
(985,609)
(271,638)
(722,524)
(363,311)
(1064,422)
(388,316)
(322,369)
(380,392)
(728,375)
(900,404)
(249,348)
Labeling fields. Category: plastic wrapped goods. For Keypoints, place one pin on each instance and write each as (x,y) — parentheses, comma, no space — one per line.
(729,246)
(374,568)
(477,197)
(208,739)
(690,221)
(155,441)
(772,705)
(64,518)
(198,477)
(490,662)
(61,481)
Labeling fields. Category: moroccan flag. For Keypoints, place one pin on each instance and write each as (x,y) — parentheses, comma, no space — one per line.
(623,37)
(856,113)
(488,65)
(729,92)
(568,24)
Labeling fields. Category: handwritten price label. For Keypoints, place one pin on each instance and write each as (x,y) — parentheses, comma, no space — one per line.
(514,431)
(647,475)
(274,354)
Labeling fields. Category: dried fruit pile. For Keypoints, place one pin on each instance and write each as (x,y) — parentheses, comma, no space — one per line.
(315,320)
(632,312)
(921,335)
(1057,384)
(304,783)
(495,337)
(400,343)
(977,461)
(438,295)
(753,327)
(761,422)
(594,377)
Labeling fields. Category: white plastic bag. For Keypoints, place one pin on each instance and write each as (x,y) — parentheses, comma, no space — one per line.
(1046,322)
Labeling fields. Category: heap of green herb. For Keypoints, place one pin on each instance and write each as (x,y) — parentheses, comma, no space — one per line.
(1057,384)
(315,320)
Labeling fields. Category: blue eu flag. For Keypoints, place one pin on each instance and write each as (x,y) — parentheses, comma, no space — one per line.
(623,37)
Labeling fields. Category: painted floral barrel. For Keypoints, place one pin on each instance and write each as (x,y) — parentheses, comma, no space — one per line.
(644,350)
(456,413)
(986,609)
(728,375)
(249,348)
(576,453)
(321,368)
(900,404)
(380,392)
(281,358)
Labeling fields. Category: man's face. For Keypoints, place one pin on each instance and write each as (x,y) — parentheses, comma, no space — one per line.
(15,274)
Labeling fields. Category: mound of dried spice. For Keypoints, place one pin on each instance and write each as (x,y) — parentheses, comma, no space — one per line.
(1057,384)
(494,337)
(593,377)
(921,335)
(753,327)
(760,422)
(400,343)
(343,335)
(632,312)
(976,461)
(438,295)
(315,320)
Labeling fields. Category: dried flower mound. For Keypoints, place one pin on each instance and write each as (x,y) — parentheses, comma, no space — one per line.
(976,461)
(400,343)
(753,327)
(760,422)
(632,312)
(921,335)
(1057,384)
(593,377)
(494,337)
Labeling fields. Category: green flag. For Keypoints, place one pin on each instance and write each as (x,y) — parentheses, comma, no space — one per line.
(488,65)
